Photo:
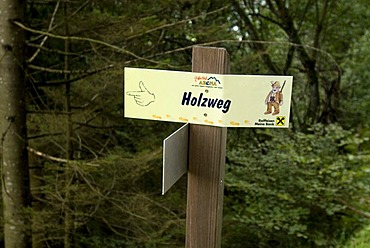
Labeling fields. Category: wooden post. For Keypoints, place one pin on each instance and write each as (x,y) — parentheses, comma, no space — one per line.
(207,147)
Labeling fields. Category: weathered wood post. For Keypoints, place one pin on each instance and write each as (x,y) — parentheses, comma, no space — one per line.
(207,146)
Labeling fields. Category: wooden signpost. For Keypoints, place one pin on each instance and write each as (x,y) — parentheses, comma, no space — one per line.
(209,101)
(206,169)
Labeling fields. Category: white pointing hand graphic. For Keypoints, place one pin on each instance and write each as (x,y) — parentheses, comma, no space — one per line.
(142,97)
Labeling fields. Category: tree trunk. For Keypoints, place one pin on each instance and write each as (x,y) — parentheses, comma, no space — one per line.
(68,198)
(14,160)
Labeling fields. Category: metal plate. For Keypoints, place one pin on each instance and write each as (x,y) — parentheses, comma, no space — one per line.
(175,157)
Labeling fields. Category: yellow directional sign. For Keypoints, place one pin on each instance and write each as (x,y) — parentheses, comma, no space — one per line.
(208,99)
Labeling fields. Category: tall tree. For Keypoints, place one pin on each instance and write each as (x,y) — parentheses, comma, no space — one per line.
(68,198)
(15,176)
(304,34)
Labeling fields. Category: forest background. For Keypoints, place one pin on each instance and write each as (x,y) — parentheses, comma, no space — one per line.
(95,177)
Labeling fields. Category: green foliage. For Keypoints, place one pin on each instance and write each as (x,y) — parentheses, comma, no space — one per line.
(294,189)
(284,188)
(356,80)
(360,240)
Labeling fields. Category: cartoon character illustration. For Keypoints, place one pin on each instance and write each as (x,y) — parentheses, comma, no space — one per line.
(274,98)
(142,97)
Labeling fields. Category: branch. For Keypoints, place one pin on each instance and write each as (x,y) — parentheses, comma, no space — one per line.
(66,19)
(43,135)
(76,38)
(54,50)
(268,19)
(88,103)
(45,37)
(272,7)
(48,112)
(320,25)
(179,22)
(55,159)
(61,82)
(357,211)
(96,127)
(276,43)
(49,157)
(255,35)
(303,16)
(61,71)
(114,227)
(289,59)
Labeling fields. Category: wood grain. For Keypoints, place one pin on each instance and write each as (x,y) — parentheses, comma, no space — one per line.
(207,147)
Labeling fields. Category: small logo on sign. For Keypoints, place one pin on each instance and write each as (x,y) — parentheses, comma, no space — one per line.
(208,82)
(280,121)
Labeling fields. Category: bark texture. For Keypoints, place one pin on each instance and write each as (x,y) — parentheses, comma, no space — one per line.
(14,161)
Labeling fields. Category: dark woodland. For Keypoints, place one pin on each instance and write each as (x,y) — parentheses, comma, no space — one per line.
(76,173)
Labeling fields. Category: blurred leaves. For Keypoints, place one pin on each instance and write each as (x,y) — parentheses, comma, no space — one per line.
(294,184)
